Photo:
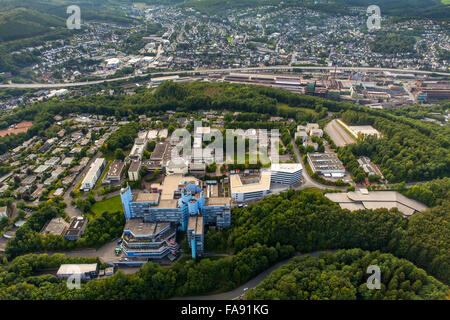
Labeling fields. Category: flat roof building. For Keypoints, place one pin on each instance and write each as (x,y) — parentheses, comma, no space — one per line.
(93,174)
(286,173)
(85,271)
(56,226)
(174,203)
(138,149)
(159,152)
(326,164)
(362,199)
(133,171)
(76,228)
(247,191)
(115,171)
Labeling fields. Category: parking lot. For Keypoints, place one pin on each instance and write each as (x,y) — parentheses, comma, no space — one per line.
(340,137)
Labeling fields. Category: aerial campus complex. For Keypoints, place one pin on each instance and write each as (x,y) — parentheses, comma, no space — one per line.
(180,204)
(314,148)
(184,203)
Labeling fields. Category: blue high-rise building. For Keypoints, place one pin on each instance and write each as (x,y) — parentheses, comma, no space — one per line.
(181,204)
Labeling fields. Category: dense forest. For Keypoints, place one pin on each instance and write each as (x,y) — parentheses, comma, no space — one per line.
(393,43)
(309,221)
(185,278)
(271,231)
(342,276)
(405,152)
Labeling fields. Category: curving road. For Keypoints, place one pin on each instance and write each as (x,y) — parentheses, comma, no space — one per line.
(206,71)
(236,293)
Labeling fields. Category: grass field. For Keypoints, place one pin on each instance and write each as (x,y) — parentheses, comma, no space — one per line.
(445,1)
(111,205)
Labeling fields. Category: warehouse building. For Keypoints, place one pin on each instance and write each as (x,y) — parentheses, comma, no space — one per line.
(286,173)
(56,226)
(86,271)
(327,164)
(93,174)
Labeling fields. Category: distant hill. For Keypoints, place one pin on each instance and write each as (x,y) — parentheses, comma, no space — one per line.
(402,8)
(25,23)
(406,8)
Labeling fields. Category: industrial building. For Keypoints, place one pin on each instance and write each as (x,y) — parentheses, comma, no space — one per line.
(56,226)
(249,190)
(363,199)
(369,167)
(85,271)
(93,174)
(174,205)
(327,164)
(286,173)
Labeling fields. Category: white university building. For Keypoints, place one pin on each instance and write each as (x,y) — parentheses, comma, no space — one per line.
(286,173)
(93,174)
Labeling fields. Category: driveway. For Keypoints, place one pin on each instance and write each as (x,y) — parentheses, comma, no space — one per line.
(105,253)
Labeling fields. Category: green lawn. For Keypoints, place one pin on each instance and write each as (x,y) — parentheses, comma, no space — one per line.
(445,1)
(111,205)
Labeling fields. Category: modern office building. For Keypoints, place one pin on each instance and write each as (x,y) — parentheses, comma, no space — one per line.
(177,201)
(248,190)
(93,174)
(286,173)
(195,232)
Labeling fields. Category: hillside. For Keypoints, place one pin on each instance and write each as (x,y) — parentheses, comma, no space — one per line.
(338,277)
(402,8)
(22,23)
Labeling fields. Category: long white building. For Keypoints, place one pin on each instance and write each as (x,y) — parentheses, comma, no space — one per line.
(286,173)
(93,174)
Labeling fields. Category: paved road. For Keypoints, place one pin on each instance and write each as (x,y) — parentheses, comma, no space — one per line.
(234,294)
(105,253)
(206,71)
